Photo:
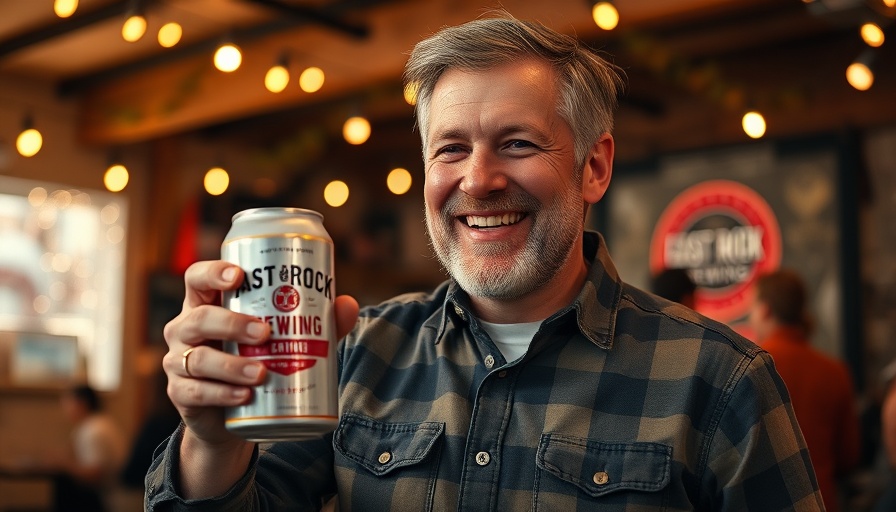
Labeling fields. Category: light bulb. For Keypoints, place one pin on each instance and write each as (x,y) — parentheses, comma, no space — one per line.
(872,35)
(890,3)
(133,29)
(276,79)
(399,181)
(859,75)
(216,181)
(65,8)
(170,34)
(336,193)
(311,80)
(410,93)
(605,15)
(116,178)
(754,124)
(228,57)
(29,142)
(356,130)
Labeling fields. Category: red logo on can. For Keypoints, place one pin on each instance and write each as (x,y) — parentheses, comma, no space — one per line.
(285,298)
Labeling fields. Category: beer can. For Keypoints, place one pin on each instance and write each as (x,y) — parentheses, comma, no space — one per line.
(287,258)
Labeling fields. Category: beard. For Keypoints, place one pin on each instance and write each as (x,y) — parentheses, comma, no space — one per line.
(499,270)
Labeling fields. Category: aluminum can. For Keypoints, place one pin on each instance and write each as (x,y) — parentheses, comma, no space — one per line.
(287,258)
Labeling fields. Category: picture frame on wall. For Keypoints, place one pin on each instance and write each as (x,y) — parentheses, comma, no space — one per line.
(38,360)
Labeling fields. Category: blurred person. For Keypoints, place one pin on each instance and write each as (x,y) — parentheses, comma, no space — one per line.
(88,480)
(821,387)
(534,378)
(886,502)
(676,285)
(159,423)
(161,420)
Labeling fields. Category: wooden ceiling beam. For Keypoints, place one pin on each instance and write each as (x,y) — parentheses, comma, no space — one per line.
(62,27)
(317,16)
(292,17)
(190,94)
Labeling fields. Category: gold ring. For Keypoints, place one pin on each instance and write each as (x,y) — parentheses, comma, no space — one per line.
(186,361)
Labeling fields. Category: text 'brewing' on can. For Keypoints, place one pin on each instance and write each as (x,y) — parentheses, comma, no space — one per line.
(287,257)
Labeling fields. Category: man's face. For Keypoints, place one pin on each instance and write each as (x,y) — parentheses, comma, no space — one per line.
(503,194)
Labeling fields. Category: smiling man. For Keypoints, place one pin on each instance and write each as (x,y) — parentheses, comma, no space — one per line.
(534,378)
(505,193)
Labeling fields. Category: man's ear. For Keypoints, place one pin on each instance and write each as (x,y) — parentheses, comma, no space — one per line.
(598,169)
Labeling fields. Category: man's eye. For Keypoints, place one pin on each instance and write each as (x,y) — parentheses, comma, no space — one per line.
(448,150)
(519,144)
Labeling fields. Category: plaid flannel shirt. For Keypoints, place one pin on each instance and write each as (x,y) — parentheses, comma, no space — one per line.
(623,402)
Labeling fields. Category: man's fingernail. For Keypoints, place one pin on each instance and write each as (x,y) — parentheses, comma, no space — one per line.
(252,370)
(229,274)
(255,329)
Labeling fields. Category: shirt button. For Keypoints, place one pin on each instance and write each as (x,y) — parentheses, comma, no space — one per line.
(601,477)
(489,361)
(502,374)
(483,458)
(460,312)
(385,457)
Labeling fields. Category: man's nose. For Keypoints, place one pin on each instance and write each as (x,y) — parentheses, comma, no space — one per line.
(484,175)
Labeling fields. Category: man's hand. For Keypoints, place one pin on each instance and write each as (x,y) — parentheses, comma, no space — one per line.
(206,381)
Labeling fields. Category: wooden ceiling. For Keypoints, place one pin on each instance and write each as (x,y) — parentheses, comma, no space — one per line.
(693,65)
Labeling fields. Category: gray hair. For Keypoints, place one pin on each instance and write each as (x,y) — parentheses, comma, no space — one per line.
(589,85)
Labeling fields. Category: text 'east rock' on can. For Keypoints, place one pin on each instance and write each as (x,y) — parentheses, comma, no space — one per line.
(287,257)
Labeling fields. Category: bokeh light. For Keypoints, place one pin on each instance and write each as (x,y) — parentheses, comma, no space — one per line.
(336,193)
(399,181)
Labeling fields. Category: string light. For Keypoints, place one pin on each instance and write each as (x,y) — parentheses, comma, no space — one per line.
(116,177)
(134,27)
(859,73)
(890,3)
(356,130)
(65,8)
(605,15)
(872,35)
(216,181)
(311,80)
(30,140)
(753,124)
(859,76)
(399,181)
(336,193)
(228,57)
(410,93)
(170,34)
(277,77)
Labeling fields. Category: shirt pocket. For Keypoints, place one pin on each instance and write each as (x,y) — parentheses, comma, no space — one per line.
(393,464)
(573,471)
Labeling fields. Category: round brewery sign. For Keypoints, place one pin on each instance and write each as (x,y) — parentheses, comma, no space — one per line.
(725,235)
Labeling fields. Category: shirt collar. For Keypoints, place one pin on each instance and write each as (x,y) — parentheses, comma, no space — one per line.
(597,304)
(595,307)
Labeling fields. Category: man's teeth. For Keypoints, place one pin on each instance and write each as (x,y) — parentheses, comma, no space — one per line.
(493,220)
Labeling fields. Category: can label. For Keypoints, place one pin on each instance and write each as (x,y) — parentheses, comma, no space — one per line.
(288,283)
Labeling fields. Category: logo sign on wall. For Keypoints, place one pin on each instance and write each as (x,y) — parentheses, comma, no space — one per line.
(725,234)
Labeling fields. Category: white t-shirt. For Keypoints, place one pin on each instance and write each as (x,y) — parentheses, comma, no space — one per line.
(512,339)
